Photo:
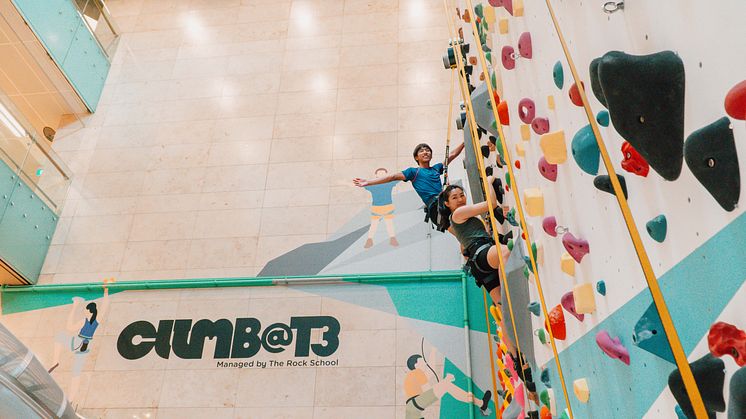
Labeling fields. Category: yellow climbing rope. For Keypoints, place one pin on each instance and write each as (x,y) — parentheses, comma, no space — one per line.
(660,304)
(519,206)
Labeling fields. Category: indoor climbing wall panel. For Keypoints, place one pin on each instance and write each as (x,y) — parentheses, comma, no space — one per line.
(669,103)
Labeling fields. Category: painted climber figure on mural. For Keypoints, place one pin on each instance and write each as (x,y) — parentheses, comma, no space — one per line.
(382,207)
(425,178)
(77,337)
(421,392)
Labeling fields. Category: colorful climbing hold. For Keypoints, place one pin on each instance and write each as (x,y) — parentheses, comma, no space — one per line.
(735,101)
(568,303)
(517,164)
(580,388)
(585,299)
(544,397)
(709,374)
(657,228)
(737,400)
(510,245)
(542,335)
(554,147)
(525,47)
(612,347)
(511,218)
(574,94)
(645,98)
(549,224)
(679,413)
(525,133)
(550,102)
(601,287)
(567,264)
(526,110)
(559,75)
(544,413)
(633,161)
(726,339)
(576,247)
(502,26)
(602,117)
(710,153)
(502,112)
(649,335)
(557,323)
(585,150)
(508,57)
(540,125)
(39,172)
(535,308)
(565,414)
(534,199)
(548,170)
(545,378)
(603,183)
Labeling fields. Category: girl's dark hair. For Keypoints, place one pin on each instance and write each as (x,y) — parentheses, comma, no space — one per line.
(94,311)
(412,361)
(445,213)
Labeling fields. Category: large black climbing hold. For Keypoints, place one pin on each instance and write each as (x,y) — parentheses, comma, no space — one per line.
(710,153)
(709,374)
(603,183)
(737,400)
(645,98)
(595,84)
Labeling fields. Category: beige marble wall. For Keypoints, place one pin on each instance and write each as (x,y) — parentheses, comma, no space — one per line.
(229,131)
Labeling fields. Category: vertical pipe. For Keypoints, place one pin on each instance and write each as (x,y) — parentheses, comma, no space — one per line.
(467,342)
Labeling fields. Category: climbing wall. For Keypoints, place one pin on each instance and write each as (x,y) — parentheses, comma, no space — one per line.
(677,95)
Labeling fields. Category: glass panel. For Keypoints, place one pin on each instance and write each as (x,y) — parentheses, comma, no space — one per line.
(99,21)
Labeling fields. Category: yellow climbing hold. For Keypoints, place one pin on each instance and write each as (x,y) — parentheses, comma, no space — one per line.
(554,147)
(503,25)
(550,102)
(525,132)
(495,313)
(489,15)
(517,8)
(567,264)
(539,253)
(534,199)
(520,150)
(580,387)
(585,298)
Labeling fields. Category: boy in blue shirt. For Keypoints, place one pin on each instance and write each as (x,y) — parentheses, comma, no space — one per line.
(381,207)
(425,178)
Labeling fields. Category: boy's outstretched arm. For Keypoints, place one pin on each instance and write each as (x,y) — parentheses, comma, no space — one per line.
(455,152)
(379,180)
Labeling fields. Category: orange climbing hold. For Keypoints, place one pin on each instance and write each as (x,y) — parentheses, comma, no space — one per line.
(575,94)
(557,323)
(735,101)
(466,16)
(517,164)
(502,111)
(544,413)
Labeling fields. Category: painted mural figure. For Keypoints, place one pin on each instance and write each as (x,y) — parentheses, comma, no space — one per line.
(77,337)
(425,178)
(421,392)
(382,207)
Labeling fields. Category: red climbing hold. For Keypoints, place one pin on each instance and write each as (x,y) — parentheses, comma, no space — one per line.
(633,162)
(726,339)
(502,111)
(735,101)
(497,97)
(517,164)
(575,94)
(557,322)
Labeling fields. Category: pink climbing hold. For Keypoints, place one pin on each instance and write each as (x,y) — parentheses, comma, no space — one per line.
(540,125)
(507,57)
(549,224)
(735,101)
(525,46)
(575,94)
(612,347)
(577,248)
(568,303)
(548,170)
(526,110)
(507,4)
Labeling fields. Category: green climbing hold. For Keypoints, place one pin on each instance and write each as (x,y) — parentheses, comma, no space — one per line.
(585,150)
(510,245)
(494,83)
(535,251)
(39,172)
(544,397)
(507,179)
(657,228)
(602,117)
(601,287)
(488,56)
(479,10)
(559,75)
(565,415)
(525,272)
(535,308)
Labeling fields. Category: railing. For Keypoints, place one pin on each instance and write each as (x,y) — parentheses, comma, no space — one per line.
(100,23)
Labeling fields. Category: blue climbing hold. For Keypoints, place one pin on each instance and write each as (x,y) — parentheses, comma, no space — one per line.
(585,150)
(545,378)
(527,260)
(511,217)
(535,308)
(657,228)
(679,413)
(602,117)
(601,287)
(650,335)
(559,75)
